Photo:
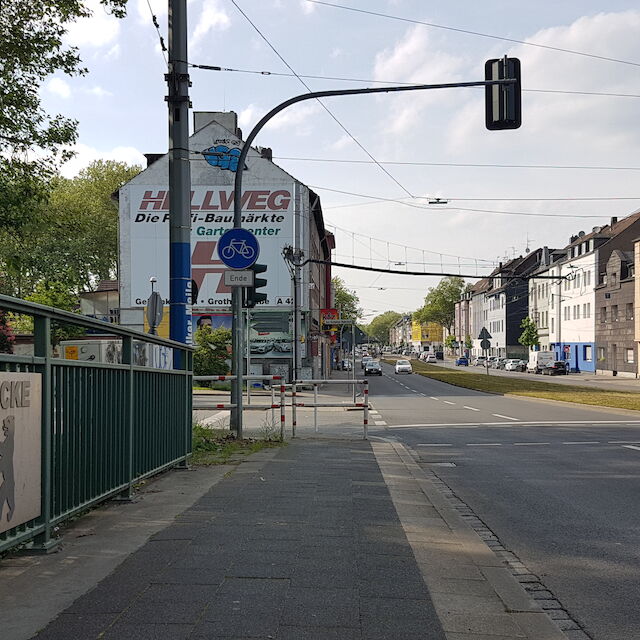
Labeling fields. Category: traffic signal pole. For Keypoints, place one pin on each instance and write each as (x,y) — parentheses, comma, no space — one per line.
(236,294)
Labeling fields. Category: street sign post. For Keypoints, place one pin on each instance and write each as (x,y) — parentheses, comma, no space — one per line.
(485,344)
(155,311)
(238,248)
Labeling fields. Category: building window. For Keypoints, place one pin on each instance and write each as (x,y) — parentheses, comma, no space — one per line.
(567,311)
(628,314)
(552,323)
(603,314)
(587,278)
(587,355)
(578,311)
(567,284)
(629,357)
(601,353)
(614,313)
(614,279)
(576,282)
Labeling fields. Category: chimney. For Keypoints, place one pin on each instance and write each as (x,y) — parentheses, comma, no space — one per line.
(614,219)
(152,157)
(266,153)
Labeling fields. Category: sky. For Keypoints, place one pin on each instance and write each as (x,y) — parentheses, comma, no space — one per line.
(576,151)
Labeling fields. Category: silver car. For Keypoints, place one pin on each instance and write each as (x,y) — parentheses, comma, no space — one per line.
(403,366)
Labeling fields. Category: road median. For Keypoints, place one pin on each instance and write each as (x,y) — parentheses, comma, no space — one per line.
(502,385)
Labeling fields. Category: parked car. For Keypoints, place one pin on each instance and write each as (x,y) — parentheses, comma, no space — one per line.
(440,355)
(431,357)
(479,361)
(462,361)
(372,368)
(515,365)
(538,360)
(345,365)
(403,366)
(557,367)
(500,362)
(491,361)
(365,359)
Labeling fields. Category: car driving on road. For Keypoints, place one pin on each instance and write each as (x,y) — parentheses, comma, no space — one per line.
(462,361)
(365,359)
(403,366)
(372,368)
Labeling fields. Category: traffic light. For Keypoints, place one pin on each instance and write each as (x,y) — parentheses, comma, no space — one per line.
(503,108)
(252,297)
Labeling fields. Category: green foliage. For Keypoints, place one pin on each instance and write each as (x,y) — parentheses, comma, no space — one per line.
(32,48)
(439,303)
(450,341)
(468,342)
(74,237)
(7,337)
(379,327)
(211,354)
(346,301)
(529,336)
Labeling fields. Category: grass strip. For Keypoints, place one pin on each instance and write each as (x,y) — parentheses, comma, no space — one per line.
(219,446)
(527,388)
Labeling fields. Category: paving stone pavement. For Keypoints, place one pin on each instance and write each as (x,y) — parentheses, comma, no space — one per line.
(324,539)
(304,545)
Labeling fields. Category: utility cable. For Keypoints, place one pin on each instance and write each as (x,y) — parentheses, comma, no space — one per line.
(209,67)
(320,102)
(154,19)
(475,33)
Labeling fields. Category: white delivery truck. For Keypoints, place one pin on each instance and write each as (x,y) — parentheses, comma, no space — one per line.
(538,360)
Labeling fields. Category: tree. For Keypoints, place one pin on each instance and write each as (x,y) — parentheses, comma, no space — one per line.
(212,351)
(32,47)
(450,342)
(468,342)
(346,301)
(439,303)
(74,238)
(529,336)
(379,327)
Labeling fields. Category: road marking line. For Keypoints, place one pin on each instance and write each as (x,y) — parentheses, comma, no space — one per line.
(528,444)
(380,423)
(447,402)
(485,444)
(471,408)
(623,442)
(583,442)
(434,444)
(630,446)
(505,424)
(433,398)
(499,415)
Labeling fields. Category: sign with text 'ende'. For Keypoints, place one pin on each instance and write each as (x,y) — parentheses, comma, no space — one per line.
(267,212)
(20,442)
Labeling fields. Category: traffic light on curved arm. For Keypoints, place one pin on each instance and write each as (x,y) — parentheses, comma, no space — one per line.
(252,297)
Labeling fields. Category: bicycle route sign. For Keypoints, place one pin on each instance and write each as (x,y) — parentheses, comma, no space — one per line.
(238,248)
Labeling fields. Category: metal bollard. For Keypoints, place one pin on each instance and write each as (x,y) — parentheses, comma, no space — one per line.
(283,409)
(294,417)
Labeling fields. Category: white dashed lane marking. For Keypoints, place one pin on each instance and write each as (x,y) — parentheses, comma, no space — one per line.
(447,402)
(529,444)
(499,415)
(630,446)
(471,408)
(583,442)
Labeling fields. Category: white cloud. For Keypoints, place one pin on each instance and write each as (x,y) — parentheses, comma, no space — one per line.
(59,87)
(99,92)
(307,7)
(98,30)
(213,17)
(113,53)
(85,155)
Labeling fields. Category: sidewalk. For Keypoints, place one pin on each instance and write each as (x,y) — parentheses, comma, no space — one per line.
(318,540)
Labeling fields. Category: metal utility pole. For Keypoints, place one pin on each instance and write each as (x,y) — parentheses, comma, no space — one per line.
(179,177)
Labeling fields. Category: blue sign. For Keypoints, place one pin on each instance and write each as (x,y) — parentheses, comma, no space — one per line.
(222,156)
(238,248)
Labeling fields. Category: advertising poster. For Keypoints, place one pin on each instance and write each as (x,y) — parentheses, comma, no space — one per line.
(267,212)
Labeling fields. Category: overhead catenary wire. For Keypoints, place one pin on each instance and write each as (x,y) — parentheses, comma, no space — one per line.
(480,34)
(163,46)
(210,67)
(320,102)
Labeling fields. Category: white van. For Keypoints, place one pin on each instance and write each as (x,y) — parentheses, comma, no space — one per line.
(538,360)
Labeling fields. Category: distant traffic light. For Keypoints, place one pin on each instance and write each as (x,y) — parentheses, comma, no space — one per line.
(252,297)
(503,106)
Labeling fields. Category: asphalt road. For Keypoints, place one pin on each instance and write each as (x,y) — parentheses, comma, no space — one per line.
(558,484)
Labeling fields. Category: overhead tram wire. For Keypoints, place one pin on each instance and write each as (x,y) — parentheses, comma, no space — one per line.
(320,102)
(475,33)
(281,74)
(439,209)
(163,46)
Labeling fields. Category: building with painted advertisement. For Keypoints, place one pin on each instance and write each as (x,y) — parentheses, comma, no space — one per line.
(277,208)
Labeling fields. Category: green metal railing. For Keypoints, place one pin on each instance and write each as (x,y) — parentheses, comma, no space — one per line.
(104,426)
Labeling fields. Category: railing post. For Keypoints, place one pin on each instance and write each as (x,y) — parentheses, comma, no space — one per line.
(283,410)
(294,412)
(43,543)
(127,358)
(366,409)
(315,407)
(187,359)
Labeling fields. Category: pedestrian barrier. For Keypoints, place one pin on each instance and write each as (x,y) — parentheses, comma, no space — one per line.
(103,425)
(294,404)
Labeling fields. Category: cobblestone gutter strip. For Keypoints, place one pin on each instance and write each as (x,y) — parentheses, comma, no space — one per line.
(531,583)
(474,590)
